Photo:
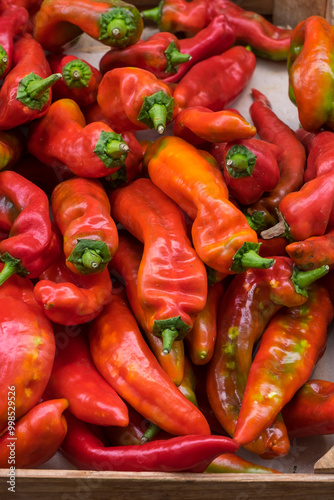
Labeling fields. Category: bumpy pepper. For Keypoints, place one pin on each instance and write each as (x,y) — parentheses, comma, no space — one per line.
(160,54)
(250,302)
(69,298)
(75,378)
(320,153)
(292,164)
(112,22)
(289,349)
(81,211)
(251,167)
(172,282)
(62,137)
(220,232)
(310,68)
(198,124)
(125,263)
(313,252)
(126,362)
(36,437)
(12,20)
(134,99)
(11,148)
(25,94)
(216,81)
(31,245)
(80,80)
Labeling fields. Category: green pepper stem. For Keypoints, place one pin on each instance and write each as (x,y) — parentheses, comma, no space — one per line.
(177,57)
(238,163)
(10,268)
(115,149)
(91,259)
(151,431)
(37,88)
(305,278)
(168,336)
(158,115)
(254,260)
(152,14)
(117,28)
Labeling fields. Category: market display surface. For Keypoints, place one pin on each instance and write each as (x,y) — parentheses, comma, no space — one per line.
(166,238)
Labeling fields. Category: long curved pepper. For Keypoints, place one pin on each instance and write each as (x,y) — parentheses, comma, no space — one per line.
(12,21)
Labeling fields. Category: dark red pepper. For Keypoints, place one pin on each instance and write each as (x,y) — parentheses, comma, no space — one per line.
(12,21)
(320,153)
(11,148)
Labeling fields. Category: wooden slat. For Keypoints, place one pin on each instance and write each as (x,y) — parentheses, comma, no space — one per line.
(326,463)
(290,13)
(74,485)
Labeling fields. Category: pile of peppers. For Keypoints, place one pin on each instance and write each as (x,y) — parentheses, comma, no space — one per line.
(147,273)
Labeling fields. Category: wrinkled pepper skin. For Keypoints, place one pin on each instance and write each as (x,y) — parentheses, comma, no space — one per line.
(216,81)
(63,138)
(125,263)
(160,54)
(80,80)
(289,349)
(219,229)
(310,412)
(27,353)
(112,22)
(31,245)
(198,124)
(38,435)
(292,164)
(134,99)
(12,21)
(186,453)
(11,148)
(231,463)
(201,339)
(26,92)
(126,362)
(69,298)
(320,153)
(75,378)
(310,69)
(81,210)
(212,40)
(313,252)
(172,280)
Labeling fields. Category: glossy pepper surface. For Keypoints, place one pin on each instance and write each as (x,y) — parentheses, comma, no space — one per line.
(171,282)
(12,21)
(160,54)
(75,378)
(216,81)
(112,22)
(81,210)
(134,99)
(219,229)
(69,298)
(63,138)
(289,349)
(11,148)
(37,436)
(292,164)
(183,453)
(310,68)
(229,462)
(25,94)
(80,80)
(123,358)
(125,263)
(320,152)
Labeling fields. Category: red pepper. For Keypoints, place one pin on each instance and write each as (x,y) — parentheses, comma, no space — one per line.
(125,263)
(11,148)
(231,463)
(134,99)
(186,453)
(198,124)
(37,436)
(62,137)
(70,298)
(271,129)
(159,54)
(172,282)
(80,80)
(81,211)
(274,246)
(114,23)
(320,149)
(310,411)
(31,245)
(313,252)
(210,41)
(25,94)
(289,349)
(126,362)
(216,81)
(75,378)
(12,21)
